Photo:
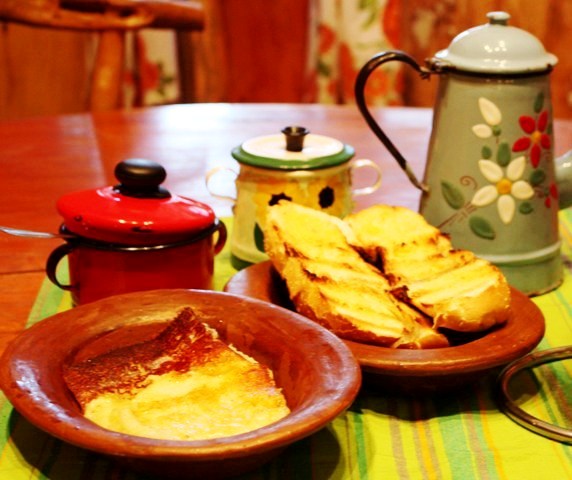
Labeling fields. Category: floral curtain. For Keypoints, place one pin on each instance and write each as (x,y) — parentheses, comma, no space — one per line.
(152,72)
(344,34)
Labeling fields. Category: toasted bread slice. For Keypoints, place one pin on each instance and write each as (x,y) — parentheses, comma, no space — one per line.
(455,288)
(185,384)
(329,282)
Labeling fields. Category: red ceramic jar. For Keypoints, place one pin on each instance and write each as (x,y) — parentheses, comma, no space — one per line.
(135,236)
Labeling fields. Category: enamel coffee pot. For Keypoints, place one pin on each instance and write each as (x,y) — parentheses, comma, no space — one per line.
(491,181)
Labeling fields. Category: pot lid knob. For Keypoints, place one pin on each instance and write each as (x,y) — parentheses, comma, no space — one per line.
(141,178)
(498,18)
(295,138)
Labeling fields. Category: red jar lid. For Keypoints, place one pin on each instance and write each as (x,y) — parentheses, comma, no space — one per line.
(137,211)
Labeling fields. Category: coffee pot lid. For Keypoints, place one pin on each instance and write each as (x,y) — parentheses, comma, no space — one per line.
(295,149)
(496,48)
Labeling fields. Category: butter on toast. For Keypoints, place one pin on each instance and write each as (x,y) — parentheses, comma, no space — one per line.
(328,281)
(458,290)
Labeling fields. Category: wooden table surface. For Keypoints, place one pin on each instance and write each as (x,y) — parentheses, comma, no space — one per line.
(44,158)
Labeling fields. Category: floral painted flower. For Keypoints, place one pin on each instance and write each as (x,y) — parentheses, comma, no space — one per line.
(492,116)
(552,195)
(536,137)
(504,188)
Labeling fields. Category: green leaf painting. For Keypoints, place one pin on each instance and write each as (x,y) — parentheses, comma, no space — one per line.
(503,154)
(482,228)
(525,208)
(258,237)
(539,102)
(452,195)
(486,152)
(537,177)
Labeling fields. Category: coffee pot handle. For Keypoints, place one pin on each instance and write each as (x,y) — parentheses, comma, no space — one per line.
(363,75)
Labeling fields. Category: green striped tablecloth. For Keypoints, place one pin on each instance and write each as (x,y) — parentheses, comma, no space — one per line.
(458,436)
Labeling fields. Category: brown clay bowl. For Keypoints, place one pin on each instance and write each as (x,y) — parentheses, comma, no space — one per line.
(318,374)
(414,372)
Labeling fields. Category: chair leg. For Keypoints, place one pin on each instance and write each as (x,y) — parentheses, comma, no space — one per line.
(107,76)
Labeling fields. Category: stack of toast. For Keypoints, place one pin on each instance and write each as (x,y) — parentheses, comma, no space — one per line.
(383,276)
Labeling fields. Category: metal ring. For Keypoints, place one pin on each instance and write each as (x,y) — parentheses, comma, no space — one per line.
(514,412)
(102,245)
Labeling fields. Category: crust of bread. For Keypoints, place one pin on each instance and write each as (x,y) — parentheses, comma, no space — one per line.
(329,282)
(455,288)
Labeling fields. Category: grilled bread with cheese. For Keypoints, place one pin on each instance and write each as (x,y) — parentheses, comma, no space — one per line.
(329,282)
(458,290)
(185,384)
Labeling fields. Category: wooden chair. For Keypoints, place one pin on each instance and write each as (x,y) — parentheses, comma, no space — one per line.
(111,19)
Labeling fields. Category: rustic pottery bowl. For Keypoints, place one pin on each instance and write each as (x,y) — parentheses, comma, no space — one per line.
(318,374)
(414,372)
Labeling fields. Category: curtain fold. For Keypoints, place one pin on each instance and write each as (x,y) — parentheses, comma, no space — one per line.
(345,34)
(152,70)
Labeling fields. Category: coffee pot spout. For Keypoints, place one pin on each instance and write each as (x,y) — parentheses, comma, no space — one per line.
(563,165)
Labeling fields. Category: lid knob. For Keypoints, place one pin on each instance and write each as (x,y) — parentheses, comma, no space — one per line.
(141,178)
(498,18)
(295,138)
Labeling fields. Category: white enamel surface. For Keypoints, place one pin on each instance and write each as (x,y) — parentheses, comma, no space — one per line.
(497,47)
(482,131)
(490,111)
(491,171)
(506,207)
(274,146)
(515,168)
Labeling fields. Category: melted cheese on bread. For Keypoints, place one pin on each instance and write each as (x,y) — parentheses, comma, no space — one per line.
(184,385)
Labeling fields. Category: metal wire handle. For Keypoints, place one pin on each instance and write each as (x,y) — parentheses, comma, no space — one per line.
(509,407)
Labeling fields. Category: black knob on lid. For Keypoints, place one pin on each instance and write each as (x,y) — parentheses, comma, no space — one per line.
(141,178)
(295,138)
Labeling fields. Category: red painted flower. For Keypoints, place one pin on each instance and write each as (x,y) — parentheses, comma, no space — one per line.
(535,139)
(552,195)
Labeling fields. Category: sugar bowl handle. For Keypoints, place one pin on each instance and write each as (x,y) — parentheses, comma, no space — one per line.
(52,264)
(365,163)
(221,238)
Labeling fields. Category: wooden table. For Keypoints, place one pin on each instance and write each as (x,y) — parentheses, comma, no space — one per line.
(45,158)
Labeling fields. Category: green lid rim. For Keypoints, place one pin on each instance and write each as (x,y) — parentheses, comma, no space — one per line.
(269,163)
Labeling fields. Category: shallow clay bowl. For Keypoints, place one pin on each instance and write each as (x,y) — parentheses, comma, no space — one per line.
(317,372)
(415,372)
